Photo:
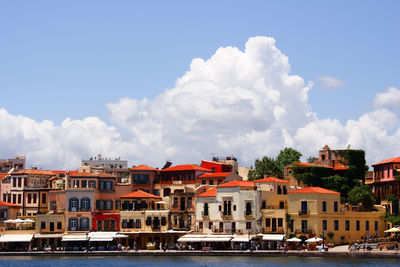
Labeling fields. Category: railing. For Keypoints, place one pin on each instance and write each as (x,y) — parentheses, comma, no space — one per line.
(304,212)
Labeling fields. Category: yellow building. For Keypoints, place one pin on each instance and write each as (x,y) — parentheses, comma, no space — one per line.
(316,211)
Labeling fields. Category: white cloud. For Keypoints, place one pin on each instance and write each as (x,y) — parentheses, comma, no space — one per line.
(330,82)
(388,99)
(242,103)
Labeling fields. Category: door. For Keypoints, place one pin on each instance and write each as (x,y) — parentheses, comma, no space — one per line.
(273,224)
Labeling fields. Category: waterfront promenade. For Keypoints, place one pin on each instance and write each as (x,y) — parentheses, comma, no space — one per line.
(340,251)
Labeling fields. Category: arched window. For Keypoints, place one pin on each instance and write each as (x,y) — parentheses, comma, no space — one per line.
(248,208)
(205,209)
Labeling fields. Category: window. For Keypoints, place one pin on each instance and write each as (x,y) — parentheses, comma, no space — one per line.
(141,178)
(59,225)
(203,181)
(336,225)
(279,190)
(221,226)
(234,207)
(148,221)
(304,226)
(124,223)
(85,204)
(248,225)
(323,206)
(99,225)
(75,183)
(118,204)
(376,226)
(29,198)
(205,209)
(358,225)
(268,222)
(42,225)
(109,204)
(280,222)
(175,202)
(85,223)
(19,199)
(210,225)
(347,225)
(131,223)
(14,182)
(73,204)
(138,223)
(304,207)
(189,202)
(366,225)
(92,184)
(264,205)
(19,181)
(73,224)
(324,225)
(281,205)
(84,184)
(163,221)
(109,185)
(44,200)
(53,205)
(4,197)
(219,208)
(211,182)
(167,192)
(248,208)
(335,206)
(34,198)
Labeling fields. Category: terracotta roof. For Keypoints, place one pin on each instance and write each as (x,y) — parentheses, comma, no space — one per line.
(313,190)
(9,204)
(271,180)
(143,168)
(64,172)
(306,164)
(340,168)
(237,184)
(188,167)
(3,175)
(139,194)
(392,160)
(209,193)
(214,174)
(88,174)
(33,171)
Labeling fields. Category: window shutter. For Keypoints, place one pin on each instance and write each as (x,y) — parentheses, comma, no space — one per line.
(70,204)
(98,204)
(82,203)
(69,223)
(88,199)
(111,206)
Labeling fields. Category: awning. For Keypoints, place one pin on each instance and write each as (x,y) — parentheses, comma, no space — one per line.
(240,238)
(101,236)
(75,237)
(273,237)
(16,238)
(217,238)
(48,235)
(191,238)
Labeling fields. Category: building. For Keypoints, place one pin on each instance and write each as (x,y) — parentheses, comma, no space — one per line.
(145,178)
(16,163)
(386,182)
(228,208)
(115,167)
(228,160)
(316,212)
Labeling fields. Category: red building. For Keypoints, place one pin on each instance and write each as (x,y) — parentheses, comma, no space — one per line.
(105,222)
(215,166)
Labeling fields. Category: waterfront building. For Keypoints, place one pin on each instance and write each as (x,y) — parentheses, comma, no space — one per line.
(8,211)
(229,208)
(315,211)
(386,182)
(145,178)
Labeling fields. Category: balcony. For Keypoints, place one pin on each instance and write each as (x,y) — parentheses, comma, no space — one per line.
(248,215)
(226,217)
(304,213)
(205,216)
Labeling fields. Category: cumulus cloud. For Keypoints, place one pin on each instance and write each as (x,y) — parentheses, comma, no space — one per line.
(389,99)
(330,82)
(243,103)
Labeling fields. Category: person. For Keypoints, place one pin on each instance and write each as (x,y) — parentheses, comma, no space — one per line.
(396,247)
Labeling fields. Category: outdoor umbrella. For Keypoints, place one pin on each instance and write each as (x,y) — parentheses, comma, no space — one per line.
(393,230)
(19,220)
(294,239)
(29,221)
(10,221)
(314,239)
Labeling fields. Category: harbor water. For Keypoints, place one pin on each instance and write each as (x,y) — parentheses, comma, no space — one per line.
(192,261)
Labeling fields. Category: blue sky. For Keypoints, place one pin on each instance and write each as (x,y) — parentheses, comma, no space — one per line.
(62,59)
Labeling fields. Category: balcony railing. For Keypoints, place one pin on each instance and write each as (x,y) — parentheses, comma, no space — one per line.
(304,212)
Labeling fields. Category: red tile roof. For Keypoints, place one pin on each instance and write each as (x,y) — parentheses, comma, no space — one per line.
(306,164)
(313,190)
(271,180)
(214,174)
(143,168)
(88,174)
(3,175)
(237,184)
(33,171)
(139,194)
(9,204)
(209,193)
(188,167)
(340,168)
(392,160)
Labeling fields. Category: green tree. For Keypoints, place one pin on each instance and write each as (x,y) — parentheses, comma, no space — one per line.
(266,166)
(362,194)
(395,203)
(310,159)
(287,156)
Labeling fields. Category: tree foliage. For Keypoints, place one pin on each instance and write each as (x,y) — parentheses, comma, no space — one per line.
(274,167)
(361,194)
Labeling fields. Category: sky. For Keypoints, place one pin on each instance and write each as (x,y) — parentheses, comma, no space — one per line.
(150,81)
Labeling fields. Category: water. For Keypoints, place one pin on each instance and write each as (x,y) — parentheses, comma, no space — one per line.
(189,261)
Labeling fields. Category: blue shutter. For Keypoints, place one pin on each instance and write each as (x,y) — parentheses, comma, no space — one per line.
(81,203)
(69,224)
(88,203)
(70,204)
